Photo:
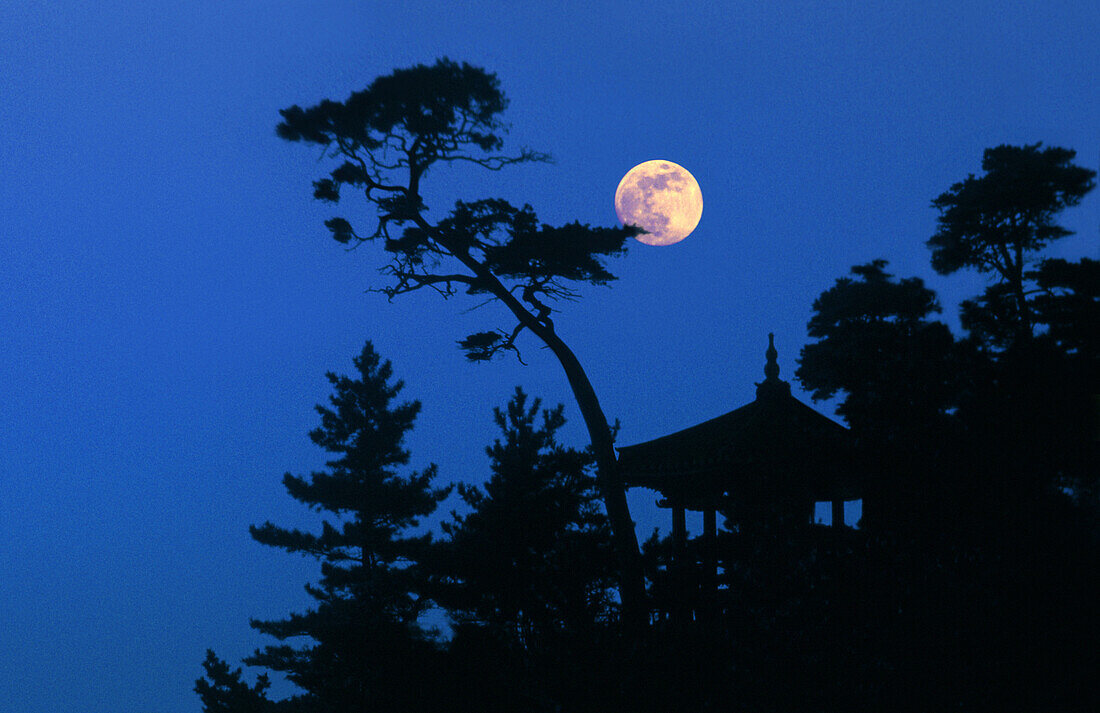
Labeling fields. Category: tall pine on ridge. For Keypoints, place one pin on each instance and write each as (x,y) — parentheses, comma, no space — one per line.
(364,644)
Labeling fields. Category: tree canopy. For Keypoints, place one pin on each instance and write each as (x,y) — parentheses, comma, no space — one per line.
(363,642)
(1021,374)
(878,345)
(531,555)
(992,222)
(389,135)
(983,448)
(996,222)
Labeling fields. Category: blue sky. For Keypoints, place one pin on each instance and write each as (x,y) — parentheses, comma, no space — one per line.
(170,301)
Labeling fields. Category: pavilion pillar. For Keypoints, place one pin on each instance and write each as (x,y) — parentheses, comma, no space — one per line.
(679,529)
(838,513)
(680,611)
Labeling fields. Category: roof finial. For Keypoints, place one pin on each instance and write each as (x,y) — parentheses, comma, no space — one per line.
(771,369)
(772,387)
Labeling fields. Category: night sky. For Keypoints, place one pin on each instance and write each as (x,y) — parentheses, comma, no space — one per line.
(170,300)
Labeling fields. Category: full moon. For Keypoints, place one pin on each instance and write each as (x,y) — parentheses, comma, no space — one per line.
(662,198)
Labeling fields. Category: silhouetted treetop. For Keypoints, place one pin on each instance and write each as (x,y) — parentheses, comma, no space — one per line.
(873,297)
(224,691)
(531,556)
(386,137)
(994,223)
(390,133)
(987,222)
(410,118)
(877,344)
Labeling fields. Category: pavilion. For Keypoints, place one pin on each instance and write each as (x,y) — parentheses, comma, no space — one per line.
(770,460)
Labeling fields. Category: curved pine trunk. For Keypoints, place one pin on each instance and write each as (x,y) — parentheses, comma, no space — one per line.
(612,490)
(632,581)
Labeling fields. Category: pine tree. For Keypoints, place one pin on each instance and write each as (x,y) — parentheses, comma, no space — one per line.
(364,646)
(533,555)
(389,138)
(527,575)
(224,691)
(996,223)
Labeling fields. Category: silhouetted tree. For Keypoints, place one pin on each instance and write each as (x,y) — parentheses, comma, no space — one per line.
(996,222)
(1068,304)
(877,345)
(527,574)
(223,690)
(896,370)
(364,647)
(1034,410)
(387,137)
(1039,318)
(531,557)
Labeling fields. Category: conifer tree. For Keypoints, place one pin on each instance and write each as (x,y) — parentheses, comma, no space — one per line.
(527,575)
(387,138)
(532,556)
(363,645)
(879,346)
(223,690)
(996,223)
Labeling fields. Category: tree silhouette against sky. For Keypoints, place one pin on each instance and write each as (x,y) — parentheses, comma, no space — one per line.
(365,645)
(387,137)
(996,222)
(530,557)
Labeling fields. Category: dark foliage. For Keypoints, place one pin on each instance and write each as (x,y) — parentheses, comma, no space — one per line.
(967,587)
(526,574)
(996,222)
(1068,304)
(988,222)
(877,345)
(386,138)
(223,691)
(362,644)
(531,557)
(390,134)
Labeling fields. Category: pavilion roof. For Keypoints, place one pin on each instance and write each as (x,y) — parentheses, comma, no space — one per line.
(774,443)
